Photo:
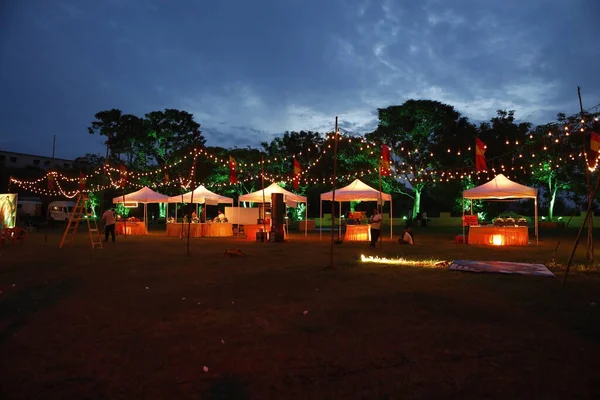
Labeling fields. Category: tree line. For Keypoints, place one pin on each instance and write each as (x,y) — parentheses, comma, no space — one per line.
(431,142)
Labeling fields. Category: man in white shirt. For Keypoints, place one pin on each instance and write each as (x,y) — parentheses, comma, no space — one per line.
(375,222)
(109,224)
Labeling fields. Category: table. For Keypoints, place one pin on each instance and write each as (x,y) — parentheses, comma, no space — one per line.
(176,229)
(499,236)
(358,233)
(200,230)
(220,229)
(130,228)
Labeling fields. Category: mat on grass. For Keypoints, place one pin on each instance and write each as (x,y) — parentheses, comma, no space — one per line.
(500,267)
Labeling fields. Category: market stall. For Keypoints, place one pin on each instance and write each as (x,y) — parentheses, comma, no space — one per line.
(200,195)
(501,188)
(356,191)
(264,197)
(144,196)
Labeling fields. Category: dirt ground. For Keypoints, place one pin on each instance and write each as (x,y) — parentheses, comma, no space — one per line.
(141,319)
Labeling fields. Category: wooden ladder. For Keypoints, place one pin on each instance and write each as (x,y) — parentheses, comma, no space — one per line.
(81,212)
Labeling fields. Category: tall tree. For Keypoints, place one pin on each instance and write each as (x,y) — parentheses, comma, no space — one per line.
(420,133)
(170,133)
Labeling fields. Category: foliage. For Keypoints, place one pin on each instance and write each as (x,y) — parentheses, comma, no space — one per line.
(122,210)
(420,132)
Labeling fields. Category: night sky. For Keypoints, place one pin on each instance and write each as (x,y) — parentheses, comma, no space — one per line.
(248,70)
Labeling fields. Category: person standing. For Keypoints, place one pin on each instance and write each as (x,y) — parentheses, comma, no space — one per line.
(375,222)
(109,224)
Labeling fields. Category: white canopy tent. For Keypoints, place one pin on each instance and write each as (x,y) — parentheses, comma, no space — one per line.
(289,198)
(145,195)
(356,191)
(502,188)
(200,195)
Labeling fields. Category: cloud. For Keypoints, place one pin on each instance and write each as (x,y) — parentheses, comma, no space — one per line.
(249,71)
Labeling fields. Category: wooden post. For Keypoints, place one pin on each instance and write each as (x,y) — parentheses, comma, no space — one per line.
(334,178)
(590,223)
(587,216)
(262,178)
(380,208)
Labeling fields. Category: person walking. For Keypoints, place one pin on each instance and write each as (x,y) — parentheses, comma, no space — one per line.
(375,222)
(109,224)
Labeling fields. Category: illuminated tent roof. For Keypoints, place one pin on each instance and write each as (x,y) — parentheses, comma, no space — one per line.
(501,188)
(144,195)
(356,191)
(201,195)
(288,197)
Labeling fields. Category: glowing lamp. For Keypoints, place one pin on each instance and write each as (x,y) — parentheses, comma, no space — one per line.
(497,240)
(131,204)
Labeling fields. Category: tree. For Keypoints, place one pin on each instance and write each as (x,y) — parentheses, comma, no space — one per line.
(124,133)
(169,134)
(420,133)
(555,165)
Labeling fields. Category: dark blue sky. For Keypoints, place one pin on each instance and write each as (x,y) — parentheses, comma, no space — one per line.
(251,69)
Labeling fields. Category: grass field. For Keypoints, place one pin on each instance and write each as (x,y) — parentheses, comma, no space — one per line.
(140,319)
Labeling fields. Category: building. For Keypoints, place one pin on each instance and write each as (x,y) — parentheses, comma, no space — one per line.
(13,160)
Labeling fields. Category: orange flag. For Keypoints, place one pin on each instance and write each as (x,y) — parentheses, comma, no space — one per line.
(595,142)
(480,148)
(385,161)
(232,171)
(297,173)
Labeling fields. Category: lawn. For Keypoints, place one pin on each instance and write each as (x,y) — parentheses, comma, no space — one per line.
(140,319)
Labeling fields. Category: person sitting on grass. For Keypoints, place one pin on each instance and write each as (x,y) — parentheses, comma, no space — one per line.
(406,237)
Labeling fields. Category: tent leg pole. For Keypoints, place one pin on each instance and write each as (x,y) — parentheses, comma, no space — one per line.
(320,219)
(340,223)
(463,220)
(391,222)
(306,220)
(537,238)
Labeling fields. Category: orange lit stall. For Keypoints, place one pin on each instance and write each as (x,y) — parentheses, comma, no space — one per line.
(135,228)
(500,189)
(499,236)
(178,229)
(358,233)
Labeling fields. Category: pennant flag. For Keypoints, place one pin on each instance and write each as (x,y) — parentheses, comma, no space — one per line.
(123,171)
(166,175)
(232,171)
(595,142)
(297,173)
(81,181)
(480,148)
(51,181)
(384,169)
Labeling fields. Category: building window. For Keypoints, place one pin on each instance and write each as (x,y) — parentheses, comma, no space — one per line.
(46,163)
(36,162)
(13,159)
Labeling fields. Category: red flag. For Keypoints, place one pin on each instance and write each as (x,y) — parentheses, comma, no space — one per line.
(385,161)
(595,142)
(297,173)
(123,171)
(166,175)
(232,171)
(51,181)
(480,148)
(82,179)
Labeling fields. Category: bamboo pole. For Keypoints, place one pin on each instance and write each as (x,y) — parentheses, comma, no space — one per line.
(590,232)
(334,178)
(262,178)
